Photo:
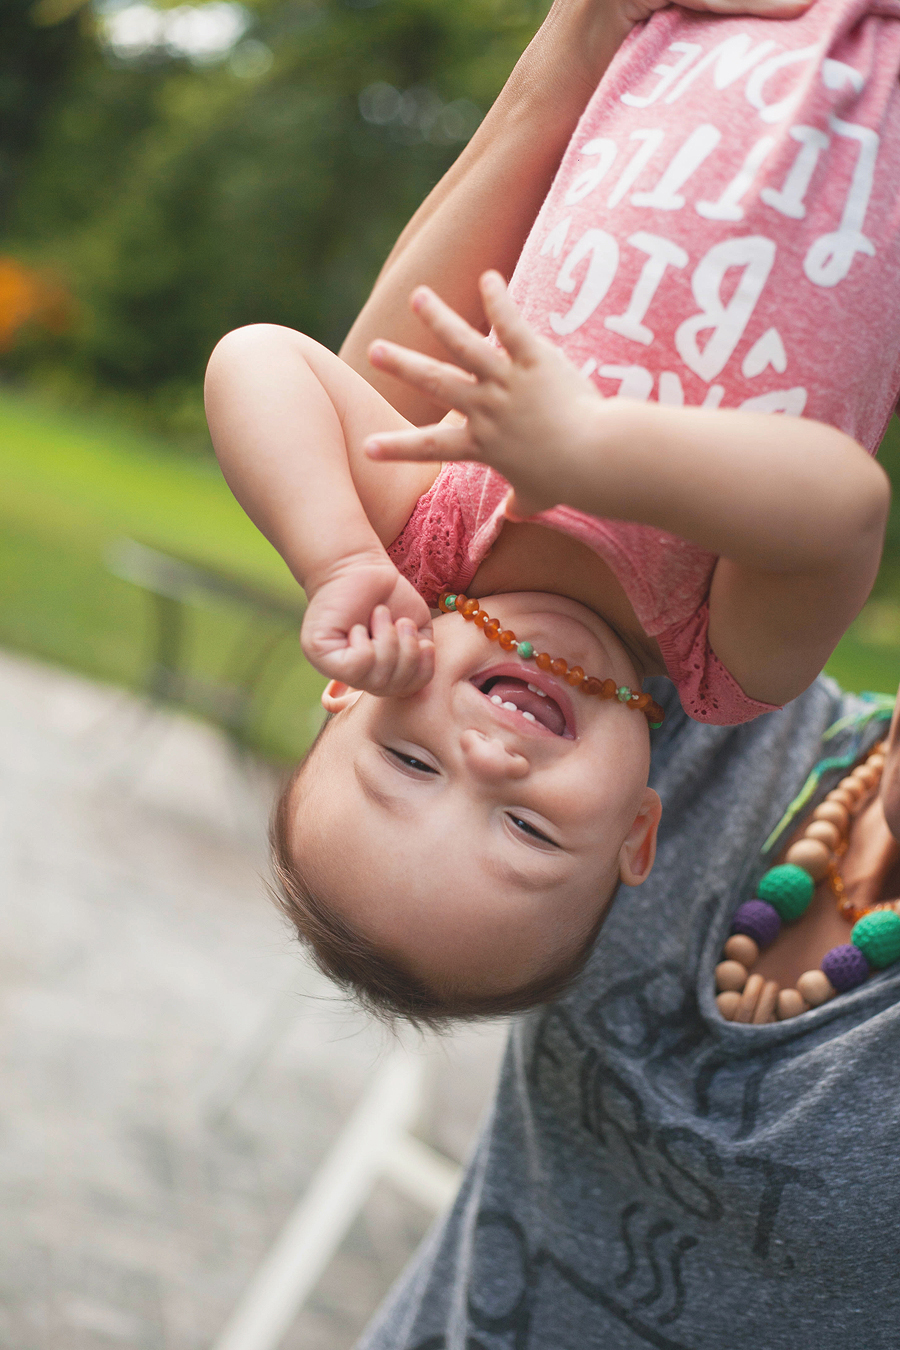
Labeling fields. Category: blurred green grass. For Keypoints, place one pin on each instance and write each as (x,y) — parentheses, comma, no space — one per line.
(71,484)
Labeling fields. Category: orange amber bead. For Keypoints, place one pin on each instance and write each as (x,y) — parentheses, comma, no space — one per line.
(468,609)
(460,601)
(558,666)
(542,660)
(641,701)
(507,639)
(591,685)
(491,629)
(480,617)
(575,676)
(608,689)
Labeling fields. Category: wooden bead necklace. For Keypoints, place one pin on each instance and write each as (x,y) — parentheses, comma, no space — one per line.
(784,893)
(450,603)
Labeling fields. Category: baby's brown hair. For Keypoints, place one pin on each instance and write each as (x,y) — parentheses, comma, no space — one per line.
(379,982)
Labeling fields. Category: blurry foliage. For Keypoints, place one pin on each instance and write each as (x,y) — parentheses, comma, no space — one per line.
(181,201)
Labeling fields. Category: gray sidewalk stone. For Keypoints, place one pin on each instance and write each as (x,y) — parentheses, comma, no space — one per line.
(172,1072)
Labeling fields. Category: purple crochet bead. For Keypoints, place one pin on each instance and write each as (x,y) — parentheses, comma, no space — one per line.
(758,920)
(845,966)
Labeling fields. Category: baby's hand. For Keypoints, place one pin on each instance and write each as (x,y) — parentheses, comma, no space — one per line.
(529,413)
(367,626)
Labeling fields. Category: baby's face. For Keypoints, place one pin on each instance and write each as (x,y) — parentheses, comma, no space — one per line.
(472,840)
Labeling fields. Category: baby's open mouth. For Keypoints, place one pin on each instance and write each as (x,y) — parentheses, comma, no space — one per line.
(520,696)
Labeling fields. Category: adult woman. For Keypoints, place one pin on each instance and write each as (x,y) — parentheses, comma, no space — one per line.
(652,1173)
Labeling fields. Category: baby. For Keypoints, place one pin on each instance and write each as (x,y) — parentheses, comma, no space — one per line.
(450,844)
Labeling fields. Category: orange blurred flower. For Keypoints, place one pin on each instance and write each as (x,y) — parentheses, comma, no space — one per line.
(29,296)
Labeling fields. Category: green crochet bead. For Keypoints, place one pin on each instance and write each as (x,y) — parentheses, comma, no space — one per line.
(525,650)
(788,889)
(878,937)
(450,601)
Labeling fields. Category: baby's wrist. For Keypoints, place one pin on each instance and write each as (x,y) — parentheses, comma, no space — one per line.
(365,558)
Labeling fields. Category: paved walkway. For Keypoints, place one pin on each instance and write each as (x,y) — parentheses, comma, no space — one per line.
(172,1073)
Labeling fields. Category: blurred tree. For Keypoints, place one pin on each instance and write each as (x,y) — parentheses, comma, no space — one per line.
(184,201)
(40,43)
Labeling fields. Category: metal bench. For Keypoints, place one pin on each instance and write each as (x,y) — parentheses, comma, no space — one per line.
(173,584)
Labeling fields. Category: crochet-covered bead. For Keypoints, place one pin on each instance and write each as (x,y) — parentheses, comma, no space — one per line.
(878,937)
(788,888)
(845,966)
(524,649)
(758,920)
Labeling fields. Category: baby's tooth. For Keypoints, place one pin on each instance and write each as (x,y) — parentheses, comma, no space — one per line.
(534,689)
(529,716)
(495,698)
(511,707)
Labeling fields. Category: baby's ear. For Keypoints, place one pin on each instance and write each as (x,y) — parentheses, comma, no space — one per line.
(336,696)
(639,849)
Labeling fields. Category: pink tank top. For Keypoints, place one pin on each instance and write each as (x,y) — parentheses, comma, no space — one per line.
(724,231)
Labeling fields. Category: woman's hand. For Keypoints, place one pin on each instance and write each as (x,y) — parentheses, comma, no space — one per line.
(528,411)
(366,625)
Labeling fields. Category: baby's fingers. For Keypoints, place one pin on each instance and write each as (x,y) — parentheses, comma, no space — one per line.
(397,655)
(438,443)
(469,348)
(512,330)
(441,382)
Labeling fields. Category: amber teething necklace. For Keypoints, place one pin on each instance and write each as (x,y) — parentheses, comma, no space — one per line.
(450,603)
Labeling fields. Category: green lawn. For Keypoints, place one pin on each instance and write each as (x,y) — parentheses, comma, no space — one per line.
(71,485)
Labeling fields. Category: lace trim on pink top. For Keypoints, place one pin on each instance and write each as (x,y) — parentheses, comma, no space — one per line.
(454,526)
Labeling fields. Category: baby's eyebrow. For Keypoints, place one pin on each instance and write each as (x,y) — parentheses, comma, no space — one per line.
(398,806)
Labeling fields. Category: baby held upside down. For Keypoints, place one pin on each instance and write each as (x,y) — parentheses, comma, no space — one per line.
(444,854)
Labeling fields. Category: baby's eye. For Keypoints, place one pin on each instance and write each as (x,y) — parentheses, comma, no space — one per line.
(410,761)
(527,828)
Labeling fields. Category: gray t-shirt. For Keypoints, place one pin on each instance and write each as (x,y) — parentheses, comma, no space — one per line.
(653,1175)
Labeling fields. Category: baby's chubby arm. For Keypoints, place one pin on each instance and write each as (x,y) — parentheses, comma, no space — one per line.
(796,510)
(287,419)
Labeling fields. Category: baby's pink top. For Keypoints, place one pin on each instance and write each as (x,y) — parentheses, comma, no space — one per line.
(724,230)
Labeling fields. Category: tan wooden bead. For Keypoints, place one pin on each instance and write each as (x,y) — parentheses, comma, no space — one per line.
(741,948)
(865,775)
(852,786)
(815,987)
(749,999)
(730,975)
(876,762)
(810,854)
(834,812)
(824,830)
(766,1003)
(839,795)
(791,1003)
(728,1002)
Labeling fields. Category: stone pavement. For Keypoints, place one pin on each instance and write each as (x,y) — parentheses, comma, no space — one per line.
(172,1073)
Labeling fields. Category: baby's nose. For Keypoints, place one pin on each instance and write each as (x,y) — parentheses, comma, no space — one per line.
(489,757)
